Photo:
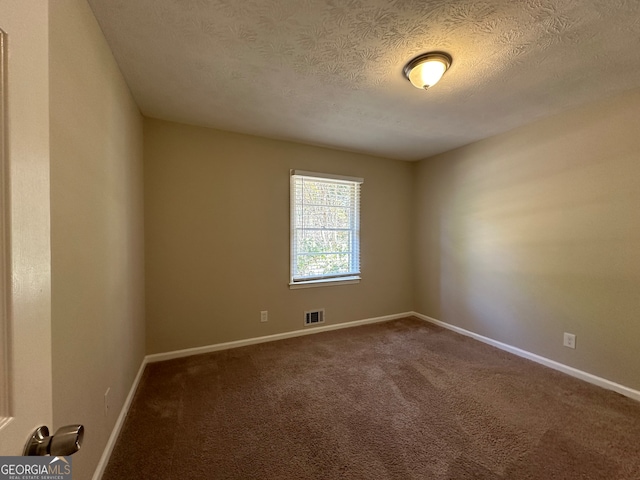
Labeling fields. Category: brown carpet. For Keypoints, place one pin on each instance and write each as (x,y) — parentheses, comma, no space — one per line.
(396,400)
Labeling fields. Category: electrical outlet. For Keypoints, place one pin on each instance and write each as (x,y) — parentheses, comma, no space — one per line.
(107,406)
(569,340)
(264,316)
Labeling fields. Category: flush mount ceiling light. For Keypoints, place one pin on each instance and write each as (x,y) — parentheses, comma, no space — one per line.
(427,69)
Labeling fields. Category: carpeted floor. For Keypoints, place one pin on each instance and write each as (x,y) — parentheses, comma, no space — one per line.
(396,400)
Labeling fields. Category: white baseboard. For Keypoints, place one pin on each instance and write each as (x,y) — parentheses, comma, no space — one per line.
(159,357)
(106,454)
(574,372)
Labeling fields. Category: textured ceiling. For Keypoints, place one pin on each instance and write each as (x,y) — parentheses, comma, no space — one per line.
(329,72)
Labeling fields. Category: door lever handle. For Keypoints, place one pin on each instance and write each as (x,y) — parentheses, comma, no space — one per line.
(66,441)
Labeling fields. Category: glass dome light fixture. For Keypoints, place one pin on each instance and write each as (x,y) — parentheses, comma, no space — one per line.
(427,69)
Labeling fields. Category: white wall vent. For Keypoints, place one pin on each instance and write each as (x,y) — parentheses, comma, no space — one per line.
(314,316)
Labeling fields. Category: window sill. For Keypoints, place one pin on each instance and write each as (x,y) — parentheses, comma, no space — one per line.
(325,283)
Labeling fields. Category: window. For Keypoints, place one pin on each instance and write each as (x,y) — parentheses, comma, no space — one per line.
(325,228)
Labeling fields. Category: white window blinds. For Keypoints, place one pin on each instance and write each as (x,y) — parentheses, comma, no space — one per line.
(325,227)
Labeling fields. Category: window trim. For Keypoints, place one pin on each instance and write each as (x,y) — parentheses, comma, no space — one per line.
(325,282)
(346,279)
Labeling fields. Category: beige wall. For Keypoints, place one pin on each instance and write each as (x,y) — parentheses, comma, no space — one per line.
(536,232)
(97,229)
(217,237)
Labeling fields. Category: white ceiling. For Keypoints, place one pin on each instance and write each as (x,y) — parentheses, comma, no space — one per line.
(329,72)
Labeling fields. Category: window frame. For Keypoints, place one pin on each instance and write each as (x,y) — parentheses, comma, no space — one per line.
(325,280)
